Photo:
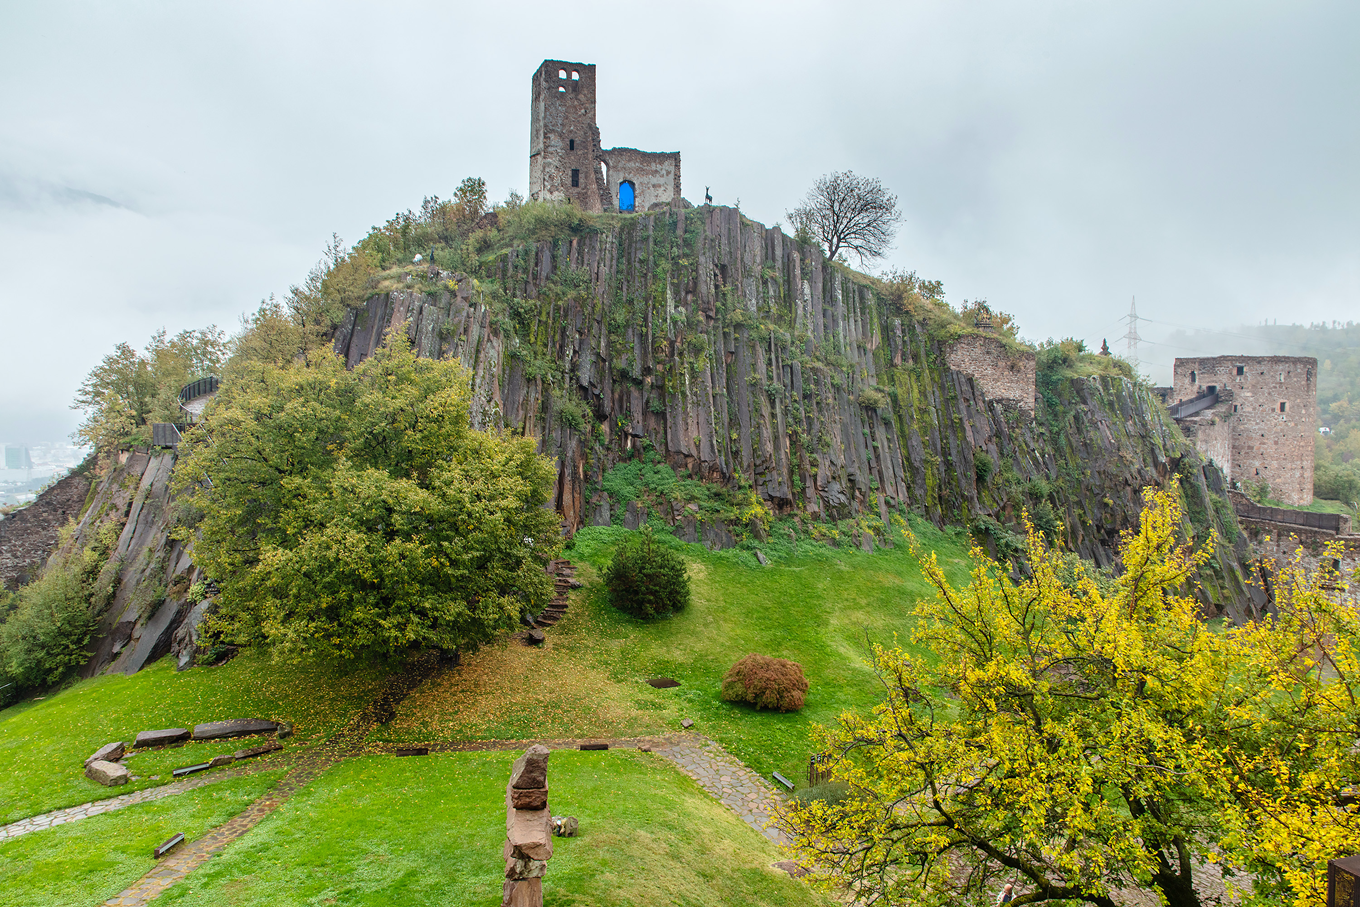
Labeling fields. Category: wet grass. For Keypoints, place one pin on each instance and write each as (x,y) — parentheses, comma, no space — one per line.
(380,830)
(89,861)
(44,742)
(820,606)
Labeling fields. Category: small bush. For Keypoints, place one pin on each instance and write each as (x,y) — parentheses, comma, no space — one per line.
(828,792)
(766,683)
(647,580)
(47,632)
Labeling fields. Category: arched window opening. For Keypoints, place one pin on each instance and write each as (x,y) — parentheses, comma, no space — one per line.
(571,144)
(627,196)
(561,88)
(575,178)
(561,73)
(575,76)
(1192,378)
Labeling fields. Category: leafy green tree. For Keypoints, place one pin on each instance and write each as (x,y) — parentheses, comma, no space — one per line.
(348,512)
(129,390)
(1078,738)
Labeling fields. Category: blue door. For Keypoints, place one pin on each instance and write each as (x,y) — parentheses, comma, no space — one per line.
(626,196)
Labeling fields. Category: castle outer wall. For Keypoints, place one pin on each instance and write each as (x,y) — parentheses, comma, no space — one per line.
(1270,404)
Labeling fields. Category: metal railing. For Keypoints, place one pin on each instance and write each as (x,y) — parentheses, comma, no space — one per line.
(199,388)
(1194,405)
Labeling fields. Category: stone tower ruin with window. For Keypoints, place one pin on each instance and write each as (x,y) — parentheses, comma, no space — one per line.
(1261,428)
(566,161)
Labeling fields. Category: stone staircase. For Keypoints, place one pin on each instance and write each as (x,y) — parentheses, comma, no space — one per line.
(564,580)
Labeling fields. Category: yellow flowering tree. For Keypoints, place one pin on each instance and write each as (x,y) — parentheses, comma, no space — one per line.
(1077,740)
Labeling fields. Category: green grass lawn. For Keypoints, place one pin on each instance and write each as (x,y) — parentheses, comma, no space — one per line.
(86,862)
(819,606)
(44,742)
(381,830)
(1319,505)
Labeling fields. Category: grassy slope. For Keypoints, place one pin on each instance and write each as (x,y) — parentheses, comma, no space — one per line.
(91,860)
(818,606)
(386,831)
(44,743)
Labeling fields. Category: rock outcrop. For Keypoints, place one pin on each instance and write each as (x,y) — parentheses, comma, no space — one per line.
(28,535)
(745,359)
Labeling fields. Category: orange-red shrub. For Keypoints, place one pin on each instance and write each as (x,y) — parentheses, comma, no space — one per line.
(766,683)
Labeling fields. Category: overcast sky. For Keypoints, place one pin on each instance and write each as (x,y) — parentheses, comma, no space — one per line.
(171,164)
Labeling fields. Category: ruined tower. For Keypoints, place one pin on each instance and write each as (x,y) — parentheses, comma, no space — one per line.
(566,161)
(1261,427)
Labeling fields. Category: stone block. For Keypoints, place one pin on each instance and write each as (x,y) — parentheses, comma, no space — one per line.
(254,751)
(109,774)
(219,761)
(525,869)
(236,727)
(529,799)
(170,844)
(109,752)
(529,832)
(523,893)
(531,769)
(161,738)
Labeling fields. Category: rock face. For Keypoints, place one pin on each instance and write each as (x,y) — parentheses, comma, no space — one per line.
(28,536)
(735,356)
(236,727)
(109,774)
(745,359)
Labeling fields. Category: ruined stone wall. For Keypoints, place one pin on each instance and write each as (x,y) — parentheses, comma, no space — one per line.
(1211,431)
(1280,544)
(1274,416)
(1001,373)
(564,141)
(655,176)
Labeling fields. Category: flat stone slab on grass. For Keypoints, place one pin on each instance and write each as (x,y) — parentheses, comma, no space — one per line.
(663,683)
(236,727)
(109,774)
(162,737)
(109,752)
(254,751)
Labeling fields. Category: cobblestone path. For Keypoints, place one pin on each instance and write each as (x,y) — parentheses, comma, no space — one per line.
(97,807)
(725,777)
(312,764)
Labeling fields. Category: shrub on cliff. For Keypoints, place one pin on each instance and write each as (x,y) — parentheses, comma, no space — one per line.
(766,683)
(46,633)
(647,580)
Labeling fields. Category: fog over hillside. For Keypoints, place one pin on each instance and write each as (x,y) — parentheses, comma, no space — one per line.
(170,165)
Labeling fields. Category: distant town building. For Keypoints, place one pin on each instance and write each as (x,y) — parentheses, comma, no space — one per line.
(1254,416)
(18,458)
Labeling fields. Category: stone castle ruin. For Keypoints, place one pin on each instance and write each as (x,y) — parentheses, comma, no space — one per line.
(1254,416)
(566,160)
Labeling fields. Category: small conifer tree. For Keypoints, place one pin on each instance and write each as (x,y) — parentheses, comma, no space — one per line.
(646,579)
